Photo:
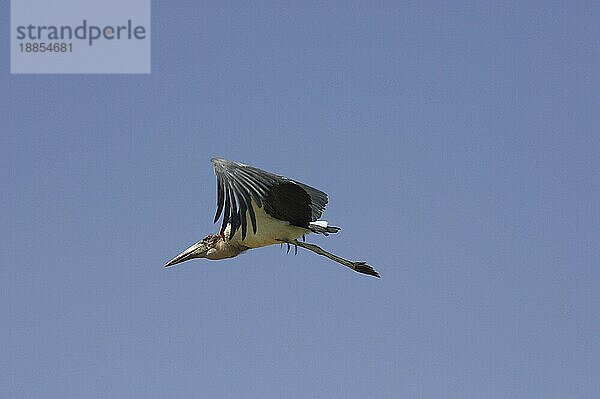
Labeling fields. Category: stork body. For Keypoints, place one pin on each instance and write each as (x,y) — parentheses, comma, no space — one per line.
(271,231)
(259,209)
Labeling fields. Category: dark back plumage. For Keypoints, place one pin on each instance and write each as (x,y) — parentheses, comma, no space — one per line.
(280,197)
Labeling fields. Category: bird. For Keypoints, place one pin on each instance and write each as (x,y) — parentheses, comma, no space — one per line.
(260,208)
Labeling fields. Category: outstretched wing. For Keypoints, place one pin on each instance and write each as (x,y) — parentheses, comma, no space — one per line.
(282,198)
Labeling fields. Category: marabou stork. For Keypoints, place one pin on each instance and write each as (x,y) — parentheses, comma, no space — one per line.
(259,209)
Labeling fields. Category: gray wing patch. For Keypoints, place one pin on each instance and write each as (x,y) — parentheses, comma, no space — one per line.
(318,200)
(281,197)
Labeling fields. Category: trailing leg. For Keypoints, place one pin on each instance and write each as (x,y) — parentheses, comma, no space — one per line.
(360,267)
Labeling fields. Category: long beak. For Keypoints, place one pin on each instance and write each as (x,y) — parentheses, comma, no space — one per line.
(197,250)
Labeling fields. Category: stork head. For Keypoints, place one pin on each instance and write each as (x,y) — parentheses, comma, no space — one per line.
(210,247)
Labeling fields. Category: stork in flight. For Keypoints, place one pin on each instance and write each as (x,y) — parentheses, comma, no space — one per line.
(259,209)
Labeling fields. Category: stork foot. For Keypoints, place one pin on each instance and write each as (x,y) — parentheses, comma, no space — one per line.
(362,267)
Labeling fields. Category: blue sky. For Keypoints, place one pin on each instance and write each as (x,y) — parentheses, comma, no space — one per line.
(459,146)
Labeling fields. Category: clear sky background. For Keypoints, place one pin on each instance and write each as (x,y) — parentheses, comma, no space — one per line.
(460,149)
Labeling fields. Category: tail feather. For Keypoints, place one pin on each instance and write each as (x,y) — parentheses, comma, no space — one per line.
(322,227)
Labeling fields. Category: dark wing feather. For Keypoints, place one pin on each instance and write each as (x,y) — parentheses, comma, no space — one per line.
(289,201)
(281,197)
(220,200)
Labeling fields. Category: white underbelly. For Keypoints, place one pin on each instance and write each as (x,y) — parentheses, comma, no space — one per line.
(269,230)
